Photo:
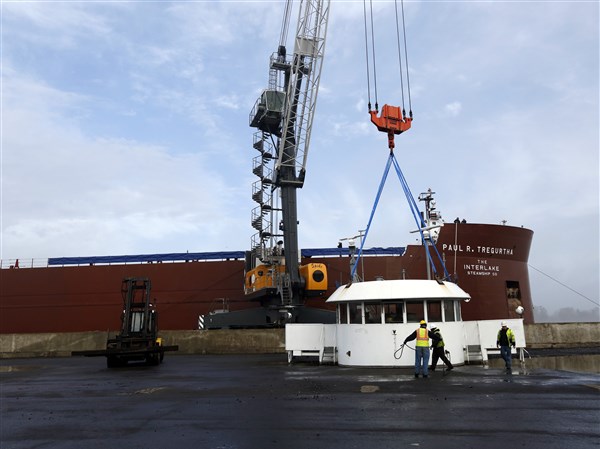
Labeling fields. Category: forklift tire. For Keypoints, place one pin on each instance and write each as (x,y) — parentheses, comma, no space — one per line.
(152,359)
(113,362)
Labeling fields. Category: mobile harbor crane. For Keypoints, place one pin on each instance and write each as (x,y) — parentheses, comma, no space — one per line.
(283,116)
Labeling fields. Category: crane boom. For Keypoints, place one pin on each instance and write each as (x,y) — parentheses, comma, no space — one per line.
(301,100)
(284,115)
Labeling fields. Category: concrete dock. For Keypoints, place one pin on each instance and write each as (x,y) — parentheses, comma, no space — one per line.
(259,401)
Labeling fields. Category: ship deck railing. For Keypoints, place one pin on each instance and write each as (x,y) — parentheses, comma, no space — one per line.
(179,257)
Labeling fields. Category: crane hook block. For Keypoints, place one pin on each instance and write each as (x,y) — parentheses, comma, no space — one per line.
(391,122)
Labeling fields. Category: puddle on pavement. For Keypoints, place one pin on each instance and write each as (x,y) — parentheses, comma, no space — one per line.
(587,363)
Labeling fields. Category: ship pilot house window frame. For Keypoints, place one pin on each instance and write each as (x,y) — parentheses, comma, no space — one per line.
(394,312)
(342,313)
(415,311)
(434,311)
(398,312)
(450,311)
(356,313)
(373,312)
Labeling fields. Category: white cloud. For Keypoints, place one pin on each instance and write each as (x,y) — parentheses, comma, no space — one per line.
(63,190)
(125,126)
(453,108)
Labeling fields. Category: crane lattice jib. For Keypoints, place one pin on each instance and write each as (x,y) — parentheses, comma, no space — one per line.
(301,95)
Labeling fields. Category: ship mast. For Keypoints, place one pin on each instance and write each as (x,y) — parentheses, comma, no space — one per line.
(433,222)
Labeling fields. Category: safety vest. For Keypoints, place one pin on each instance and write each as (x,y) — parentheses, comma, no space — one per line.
(422,337)
(509,335)
(440,343)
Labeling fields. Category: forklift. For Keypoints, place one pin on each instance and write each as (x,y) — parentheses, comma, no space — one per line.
(138,339)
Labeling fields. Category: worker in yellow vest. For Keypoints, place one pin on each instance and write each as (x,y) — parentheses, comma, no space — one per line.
(504,340)
(439,351)
(422,335)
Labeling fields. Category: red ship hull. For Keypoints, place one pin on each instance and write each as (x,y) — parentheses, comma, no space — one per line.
(488,261)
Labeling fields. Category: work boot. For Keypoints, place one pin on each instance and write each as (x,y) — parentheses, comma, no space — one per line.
(450,368)
(425,376)
(416,376)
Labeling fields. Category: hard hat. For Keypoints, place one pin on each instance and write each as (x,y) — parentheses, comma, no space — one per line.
(433,328)
(503,323)
(423,322)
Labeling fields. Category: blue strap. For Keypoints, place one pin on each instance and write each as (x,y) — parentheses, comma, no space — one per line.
(381,184)
(416,215)
(415,211)
(418,220)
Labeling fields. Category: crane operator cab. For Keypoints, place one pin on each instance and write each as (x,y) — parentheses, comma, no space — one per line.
(266,114)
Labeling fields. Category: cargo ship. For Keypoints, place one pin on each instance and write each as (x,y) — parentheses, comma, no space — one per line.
(74,294)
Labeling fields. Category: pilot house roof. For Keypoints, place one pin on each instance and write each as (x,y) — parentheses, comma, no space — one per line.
(398,290)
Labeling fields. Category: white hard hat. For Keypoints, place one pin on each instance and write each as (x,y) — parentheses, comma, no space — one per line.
(503,323)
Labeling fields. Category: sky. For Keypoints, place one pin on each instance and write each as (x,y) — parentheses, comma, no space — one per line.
(125,128)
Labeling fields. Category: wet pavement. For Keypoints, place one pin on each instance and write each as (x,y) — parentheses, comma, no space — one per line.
(259,401)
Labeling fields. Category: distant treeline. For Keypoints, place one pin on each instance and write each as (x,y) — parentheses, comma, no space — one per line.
(566,315)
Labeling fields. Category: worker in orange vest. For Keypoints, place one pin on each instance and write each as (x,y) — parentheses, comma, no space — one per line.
(422,335)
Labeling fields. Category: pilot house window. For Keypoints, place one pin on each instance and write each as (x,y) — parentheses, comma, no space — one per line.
(450,310)
(434,311)
(415,312)
(373,313)
(393,312)
(356,313)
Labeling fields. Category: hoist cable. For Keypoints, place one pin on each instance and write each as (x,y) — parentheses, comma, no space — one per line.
(406,60)
(399,56)
(285,24)
(374,61)
(367,53)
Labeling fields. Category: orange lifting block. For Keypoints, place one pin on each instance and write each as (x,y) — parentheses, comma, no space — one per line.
(391,122)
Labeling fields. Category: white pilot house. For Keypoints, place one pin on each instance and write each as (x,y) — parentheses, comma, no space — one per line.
(375,317)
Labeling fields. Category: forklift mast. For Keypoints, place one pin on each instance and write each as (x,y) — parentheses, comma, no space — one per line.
(139,317)
(138,338)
